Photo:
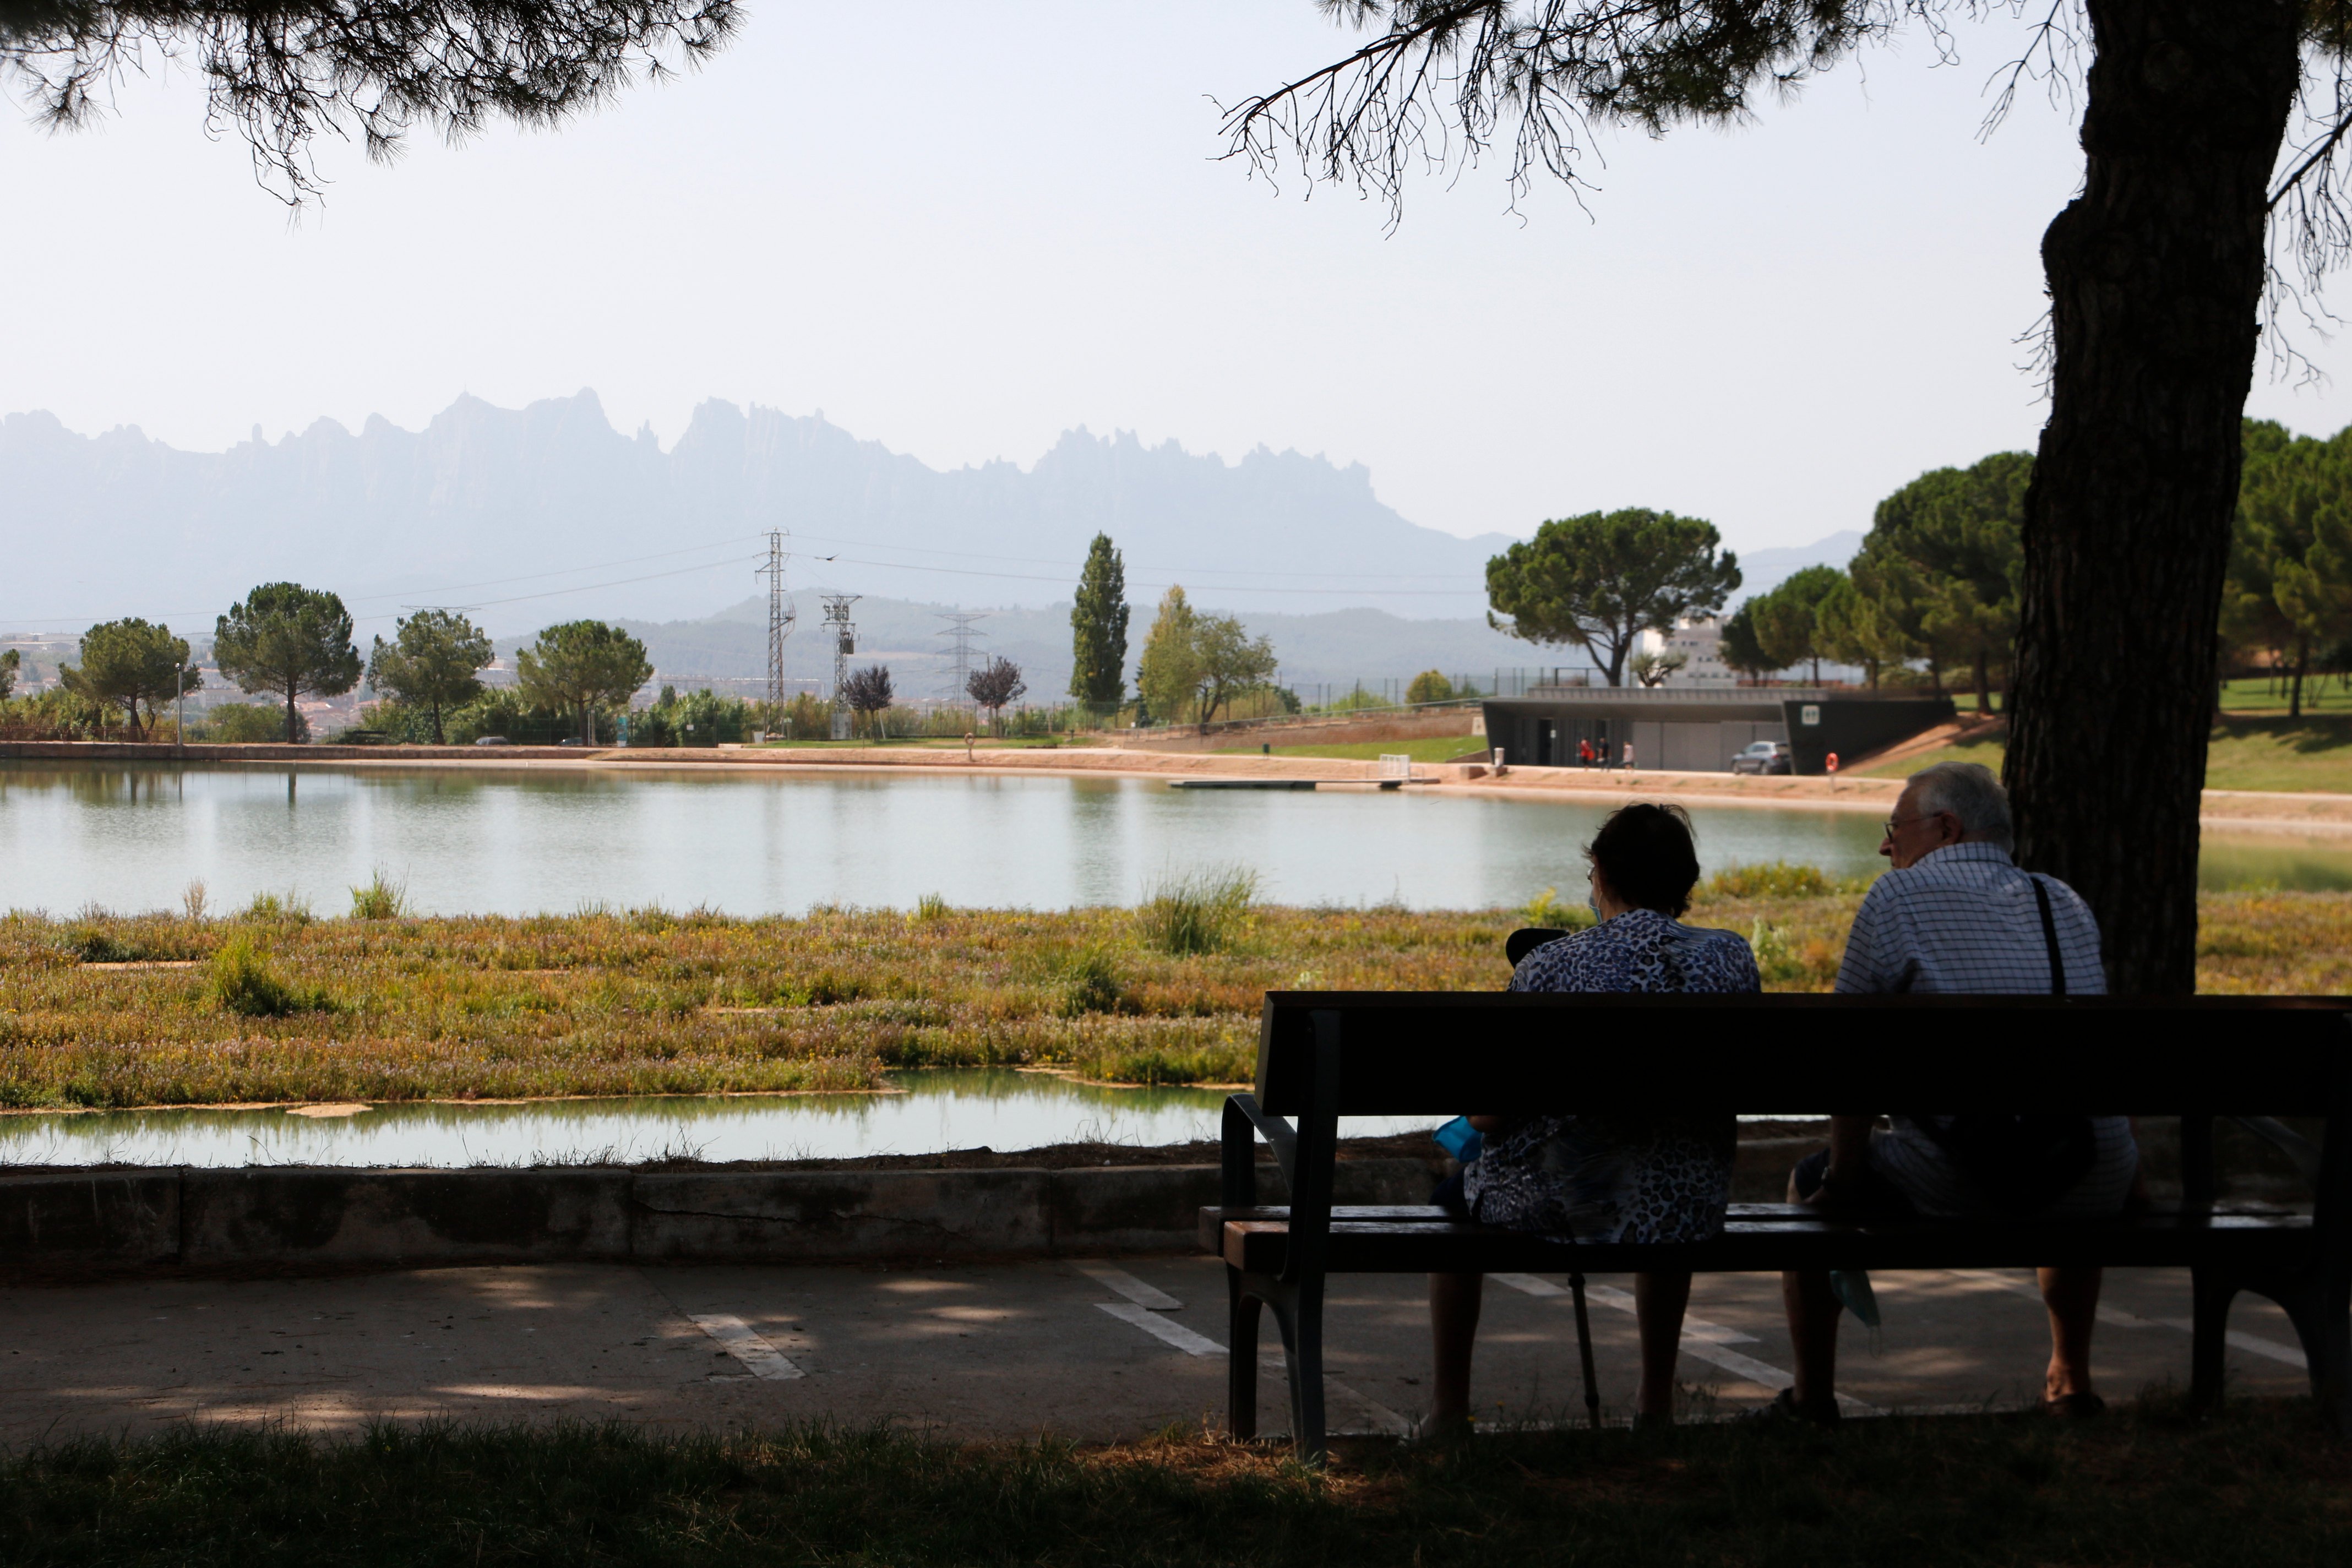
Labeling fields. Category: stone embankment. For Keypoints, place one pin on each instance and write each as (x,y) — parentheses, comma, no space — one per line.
(297,1219)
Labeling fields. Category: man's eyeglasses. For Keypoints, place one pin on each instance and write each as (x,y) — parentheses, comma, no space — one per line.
(1891,824)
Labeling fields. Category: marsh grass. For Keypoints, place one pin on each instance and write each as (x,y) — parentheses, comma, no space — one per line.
(244,983)
(380,899)
(1199,912)
(930,907)
(2255,1489)
(652,1002)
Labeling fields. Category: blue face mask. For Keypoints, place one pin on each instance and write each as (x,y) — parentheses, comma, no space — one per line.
(1592,902)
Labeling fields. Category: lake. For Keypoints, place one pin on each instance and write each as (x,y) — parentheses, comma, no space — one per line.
(129,838)
(996,1108)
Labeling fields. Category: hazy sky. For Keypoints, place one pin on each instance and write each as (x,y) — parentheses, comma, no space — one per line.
(959,229)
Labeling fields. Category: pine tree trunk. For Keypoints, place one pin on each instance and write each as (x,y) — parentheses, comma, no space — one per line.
(290,689)
(2154,274)
(1984,681)
(2295,687)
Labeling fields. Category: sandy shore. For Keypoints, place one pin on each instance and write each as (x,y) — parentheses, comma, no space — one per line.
(2234,812)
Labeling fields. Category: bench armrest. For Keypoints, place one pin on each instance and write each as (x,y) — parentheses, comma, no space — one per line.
(1244,1124)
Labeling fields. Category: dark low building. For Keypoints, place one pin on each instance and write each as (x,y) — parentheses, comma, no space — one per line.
(1701,728)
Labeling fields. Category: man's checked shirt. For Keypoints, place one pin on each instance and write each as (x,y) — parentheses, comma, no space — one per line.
(1964,919)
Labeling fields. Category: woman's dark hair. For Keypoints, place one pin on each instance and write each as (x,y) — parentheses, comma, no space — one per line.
(1648,856)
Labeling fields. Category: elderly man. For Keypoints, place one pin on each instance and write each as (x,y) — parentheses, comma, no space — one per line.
(1957,915)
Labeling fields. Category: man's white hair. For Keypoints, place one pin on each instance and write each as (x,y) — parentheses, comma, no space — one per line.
(1970,792)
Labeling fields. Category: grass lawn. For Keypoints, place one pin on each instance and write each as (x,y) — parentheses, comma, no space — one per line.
(2256,1487)
(1428,749)
(2321,693)
(275,1005)
(2248,750)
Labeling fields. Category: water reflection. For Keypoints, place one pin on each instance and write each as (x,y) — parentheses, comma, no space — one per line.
(522,841)
(955,1109)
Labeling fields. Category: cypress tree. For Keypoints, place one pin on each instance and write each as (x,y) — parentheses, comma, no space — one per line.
(1098,629)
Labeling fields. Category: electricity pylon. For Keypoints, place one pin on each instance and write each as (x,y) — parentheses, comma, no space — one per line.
(845,643)
(780,614)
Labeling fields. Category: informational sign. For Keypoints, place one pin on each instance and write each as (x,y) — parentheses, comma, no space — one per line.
(1811,713)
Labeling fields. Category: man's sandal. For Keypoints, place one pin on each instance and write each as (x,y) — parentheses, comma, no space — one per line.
(2074,1407)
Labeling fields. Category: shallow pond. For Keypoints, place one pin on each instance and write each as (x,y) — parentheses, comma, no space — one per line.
(956,1109)
(131,837)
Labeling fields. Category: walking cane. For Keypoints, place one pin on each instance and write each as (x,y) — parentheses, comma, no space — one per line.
(1584,1352)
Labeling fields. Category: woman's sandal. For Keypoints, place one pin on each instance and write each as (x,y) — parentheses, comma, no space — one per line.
(2074,1407)
(1785,1408)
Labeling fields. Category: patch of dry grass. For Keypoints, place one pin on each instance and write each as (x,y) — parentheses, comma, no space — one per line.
(651,1002)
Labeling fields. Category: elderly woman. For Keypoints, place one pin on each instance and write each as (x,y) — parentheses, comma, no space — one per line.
(1630,1175)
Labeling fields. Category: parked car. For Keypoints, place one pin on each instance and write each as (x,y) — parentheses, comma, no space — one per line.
(492,741)
(1764,757)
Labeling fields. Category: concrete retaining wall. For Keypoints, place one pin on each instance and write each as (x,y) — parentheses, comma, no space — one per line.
(303,1218)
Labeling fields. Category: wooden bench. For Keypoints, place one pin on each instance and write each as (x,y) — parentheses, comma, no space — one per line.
(1325,1055)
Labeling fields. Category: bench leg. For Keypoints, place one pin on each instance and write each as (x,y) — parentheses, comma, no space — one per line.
(1303,1340)
(1241,1309)
(2321,1312)
(2210,1295)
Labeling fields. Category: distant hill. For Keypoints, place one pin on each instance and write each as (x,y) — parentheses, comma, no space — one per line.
(484,505)
(1761,570)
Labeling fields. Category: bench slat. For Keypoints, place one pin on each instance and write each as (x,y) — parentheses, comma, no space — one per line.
(1417,1052)
(1379,1247)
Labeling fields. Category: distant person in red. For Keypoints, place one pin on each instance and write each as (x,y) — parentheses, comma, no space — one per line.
(1584,753)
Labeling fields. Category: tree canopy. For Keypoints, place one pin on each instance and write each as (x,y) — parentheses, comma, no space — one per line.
(868,691)
(284,71)
(1599,581)
(583,665)
(289,641)
(1787,619)
(1943,561)
(1170,667)
(431,663)
(994,684)
(1196,663)
(11,662)
(2289,589)
(1098,629)
(129,662)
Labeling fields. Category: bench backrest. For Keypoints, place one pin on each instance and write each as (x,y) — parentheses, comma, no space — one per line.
(1443,1052)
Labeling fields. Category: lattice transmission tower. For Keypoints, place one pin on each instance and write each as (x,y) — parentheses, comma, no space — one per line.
(780,614)
(845,643)
(960,652)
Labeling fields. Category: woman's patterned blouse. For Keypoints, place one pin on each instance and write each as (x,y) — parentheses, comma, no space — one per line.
(1635,1174)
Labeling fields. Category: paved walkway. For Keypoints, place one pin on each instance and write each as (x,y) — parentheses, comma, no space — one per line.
(1089,1350)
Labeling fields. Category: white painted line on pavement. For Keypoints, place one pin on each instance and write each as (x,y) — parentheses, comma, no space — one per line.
(1610,1296)
(1270,1359)
(1129,1286)
(2252,1344)
(1160,1327)
(1702,1341)
(745,1344)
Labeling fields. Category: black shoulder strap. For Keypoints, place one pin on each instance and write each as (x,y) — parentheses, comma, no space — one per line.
(2050,936)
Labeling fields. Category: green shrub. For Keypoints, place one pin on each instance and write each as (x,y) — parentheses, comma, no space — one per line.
(243,723)
(382,898)
(244,983)
(1549,909)
(1198,912)
(1775,959)
(274,908)
(930,907)
(1770,879)
(94,946)
(1091,985)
